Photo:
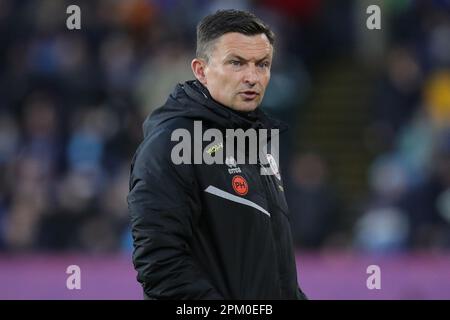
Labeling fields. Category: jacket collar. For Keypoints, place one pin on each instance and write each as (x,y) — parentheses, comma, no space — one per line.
(256,119)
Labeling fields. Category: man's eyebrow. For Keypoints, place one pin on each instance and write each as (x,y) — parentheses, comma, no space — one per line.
(267,56)
(235,56)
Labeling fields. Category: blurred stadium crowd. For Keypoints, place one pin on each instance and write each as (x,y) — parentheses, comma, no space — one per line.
(72,104)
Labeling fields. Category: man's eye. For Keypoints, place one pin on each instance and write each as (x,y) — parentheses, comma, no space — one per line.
(264,64)
(235,63)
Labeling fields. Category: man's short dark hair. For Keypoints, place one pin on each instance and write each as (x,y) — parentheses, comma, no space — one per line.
(217,24)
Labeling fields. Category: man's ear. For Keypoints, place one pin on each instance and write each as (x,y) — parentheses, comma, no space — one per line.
(198,67)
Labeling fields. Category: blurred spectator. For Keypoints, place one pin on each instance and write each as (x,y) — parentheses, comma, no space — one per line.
(428,204)
(397,96)
(168,65)
(312,202)
(384,227)
(437,98)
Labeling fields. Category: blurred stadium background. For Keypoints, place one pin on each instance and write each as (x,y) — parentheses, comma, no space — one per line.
(366,164)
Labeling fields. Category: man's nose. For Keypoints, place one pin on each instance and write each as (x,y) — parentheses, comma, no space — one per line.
(251,75)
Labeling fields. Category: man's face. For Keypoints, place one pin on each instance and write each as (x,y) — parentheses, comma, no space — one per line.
(238,70)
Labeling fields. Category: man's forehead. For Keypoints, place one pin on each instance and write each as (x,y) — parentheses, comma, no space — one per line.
(234,43)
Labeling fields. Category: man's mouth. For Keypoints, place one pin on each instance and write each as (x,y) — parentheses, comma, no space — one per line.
(249,94)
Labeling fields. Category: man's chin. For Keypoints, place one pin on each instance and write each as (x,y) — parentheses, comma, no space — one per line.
(245,106)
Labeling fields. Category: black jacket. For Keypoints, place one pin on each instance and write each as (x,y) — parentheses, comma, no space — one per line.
(195,236)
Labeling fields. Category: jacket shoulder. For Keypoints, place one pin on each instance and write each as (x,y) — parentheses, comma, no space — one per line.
(154,155)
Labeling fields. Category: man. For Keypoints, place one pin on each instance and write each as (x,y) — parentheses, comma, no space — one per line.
(217,231)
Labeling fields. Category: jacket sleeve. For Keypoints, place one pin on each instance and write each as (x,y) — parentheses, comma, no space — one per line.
(301,295)
(163,208)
